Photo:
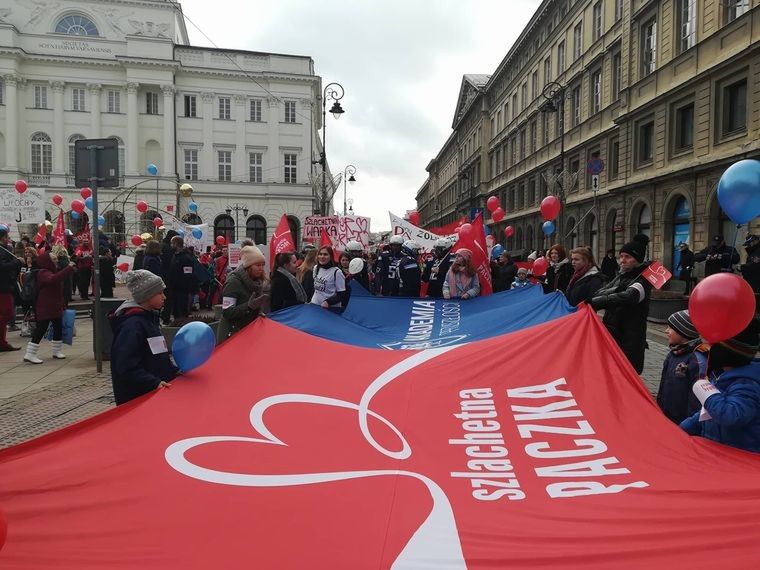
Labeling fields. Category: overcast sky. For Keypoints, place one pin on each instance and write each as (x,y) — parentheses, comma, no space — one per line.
(401,63)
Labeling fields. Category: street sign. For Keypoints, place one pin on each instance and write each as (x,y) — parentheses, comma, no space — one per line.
(595,183)
(107,163)
(595,166)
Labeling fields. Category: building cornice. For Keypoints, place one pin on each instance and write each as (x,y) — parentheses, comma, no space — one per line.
(234,74)
(147,61)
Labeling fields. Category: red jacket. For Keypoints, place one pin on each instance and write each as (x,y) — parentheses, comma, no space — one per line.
(50,303)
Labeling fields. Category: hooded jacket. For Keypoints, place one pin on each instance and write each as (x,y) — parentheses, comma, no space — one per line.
(50,300)
(625,301)
(735,410)
(135,370)
(238,289)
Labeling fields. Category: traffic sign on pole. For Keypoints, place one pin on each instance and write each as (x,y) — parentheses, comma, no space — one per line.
(595,183)
(595,166)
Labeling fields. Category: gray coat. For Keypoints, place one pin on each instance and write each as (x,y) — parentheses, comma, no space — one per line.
(240,288)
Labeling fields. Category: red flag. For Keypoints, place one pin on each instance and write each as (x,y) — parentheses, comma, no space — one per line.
(281,242)
(324,239)
(476,242)
(59,233)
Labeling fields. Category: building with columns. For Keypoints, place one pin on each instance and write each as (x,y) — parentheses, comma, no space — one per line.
(240,127)
(663,92)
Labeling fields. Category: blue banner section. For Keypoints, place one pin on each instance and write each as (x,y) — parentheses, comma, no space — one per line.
(402,323)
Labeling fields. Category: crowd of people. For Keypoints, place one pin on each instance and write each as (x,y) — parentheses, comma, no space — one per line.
(712,391)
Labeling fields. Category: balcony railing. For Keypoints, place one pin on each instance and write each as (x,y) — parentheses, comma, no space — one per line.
(39,179)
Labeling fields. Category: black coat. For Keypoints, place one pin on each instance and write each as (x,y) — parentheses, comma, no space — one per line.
(10,265)
(751,269)
(180,279)
(503,276)
(435,279)
(609,268)
(584,289)
(717,259)
(135,370)
(558,277)
(626,305)
(283,294)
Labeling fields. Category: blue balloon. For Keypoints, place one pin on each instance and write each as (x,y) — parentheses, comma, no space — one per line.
(101,221)
(193,207)
(88,203)
(497,250)
(152,169)
(4,228)
(197,233)
(74,215)
(181,233)
(193,345)
(548,228)
(739,191)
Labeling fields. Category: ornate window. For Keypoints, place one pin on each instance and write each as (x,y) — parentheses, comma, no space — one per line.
(76,25)
(42,154)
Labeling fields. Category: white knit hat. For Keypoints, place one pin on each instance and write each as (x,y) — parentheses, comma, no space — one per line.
(250,254)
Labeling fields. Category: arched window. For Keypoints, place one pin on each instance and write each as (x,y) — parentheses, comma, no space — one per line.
(681,229)
(42,154)
(529,238)
(593,234)
(224,225)
(114,226)
(519,238)
(146,221)
(76,25)
(612,228)
(122,158)
(644,222)
(295,230)
(256,229)
(72,154)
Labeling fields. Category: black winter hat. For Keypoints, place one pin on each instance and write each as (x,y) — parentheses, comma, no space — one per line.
(737,351)
(637,247)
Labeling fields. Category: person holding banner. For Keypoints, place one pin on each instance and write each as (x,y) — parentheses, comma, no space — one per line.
(437,268)
(329,283)
(462,279)
(246,291)
(286,290)
(625,301)
(386,276)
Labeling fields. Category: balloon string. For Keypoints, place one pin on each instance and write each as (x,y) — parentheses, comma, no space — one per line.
(730,253)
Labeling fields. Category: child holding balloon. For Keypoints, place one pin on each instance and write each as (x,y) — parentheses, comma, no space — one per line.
(140,360)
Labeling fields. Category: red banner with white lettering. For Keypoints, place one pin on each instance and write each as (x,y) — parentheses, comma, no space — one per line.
(429,459)
(281,241)
(475,241)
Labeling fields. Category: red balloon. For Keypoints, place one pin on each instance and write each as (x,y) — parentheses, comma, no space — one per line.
(85,193)
(123,267)
(414,217)
(721,306)
(157,221)
(21,186)
(220,240)
(498,215)
(492,204)
(540,266)
(142,206)
(42,230)
(465,230)
(57,199)
(136,240)
(77,206)
(509,231)
(550,208)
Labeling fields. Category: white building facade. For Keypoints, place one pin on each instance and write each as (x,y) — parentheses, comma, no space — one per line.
(240,127)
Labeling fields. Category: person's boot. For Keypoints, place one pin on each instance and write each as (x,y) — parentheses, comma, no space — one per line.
(31,353)
(57,353)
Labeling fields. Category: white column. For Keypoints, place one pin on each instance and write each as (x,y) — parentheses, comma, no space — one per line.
(273,167)
(207,169)
(95,107)
(167,168)
(240,164)
(59,135)
(132,118)
(11,122)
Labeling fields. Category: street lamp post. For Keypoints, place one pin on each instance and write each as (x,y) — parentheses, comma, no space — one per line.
(554,93)
(335,92)
(237,208)
(350,170)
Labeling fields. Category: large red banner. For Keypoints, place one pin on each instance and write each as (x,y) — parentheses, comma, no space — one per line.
(486,455)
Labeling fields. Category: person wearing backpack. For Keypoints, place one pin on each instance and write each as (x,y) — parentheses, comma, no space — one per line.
(48,305)
(329,283)
(10,265)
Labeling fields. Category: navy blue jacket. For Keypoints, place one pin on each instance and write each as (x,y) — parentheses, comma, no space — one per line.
(135,370)
(735,411)
(152,263)
(679,372)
